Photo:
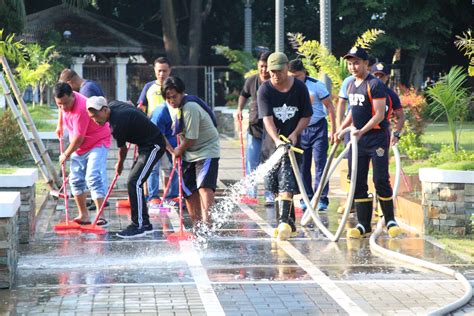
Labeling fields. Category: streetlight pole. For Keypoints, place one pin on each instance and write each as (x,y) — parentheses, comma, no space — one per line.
(325,26)
(279,25)
(248,26)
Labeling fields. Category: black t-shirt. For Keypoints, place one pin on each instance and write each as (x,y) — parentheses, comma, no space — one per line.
(249,90)
(287,108)
(360,101)
(129,124)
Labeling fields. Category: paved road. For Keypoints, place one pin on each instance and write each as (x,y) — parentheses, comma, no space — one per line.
(241,271)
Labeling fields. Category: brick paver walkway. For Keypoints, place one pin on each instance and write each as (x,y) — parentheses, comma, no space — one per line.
(242,271)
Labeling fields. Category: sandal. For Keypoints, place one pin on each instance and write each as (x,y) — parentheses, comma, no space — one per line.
(102,222)
(76,220)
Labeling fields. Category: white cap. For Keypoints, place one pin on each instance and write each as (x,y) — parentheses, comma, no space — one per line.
(96,103)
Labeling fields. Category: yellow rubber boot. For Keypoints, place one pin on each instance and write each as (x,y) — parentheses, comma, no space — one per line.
(353,233)
(284,231)
(394,231)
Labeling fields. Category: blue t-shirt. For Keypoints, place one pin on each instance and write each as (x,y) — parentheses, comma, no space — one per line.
(318,91)
(91,89)
(161,117)
(345,86)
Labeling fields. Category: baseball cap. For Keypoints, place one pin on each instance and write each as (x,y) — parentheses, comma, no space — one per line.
(380,68)
(277,61)
(296,65)
(357,52)
(96,103)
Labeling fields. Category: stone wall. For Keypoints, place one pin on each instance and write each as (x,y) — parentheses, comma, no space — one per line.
(10,202)
(26,213)
(227,123)
(447,202)
(23,181)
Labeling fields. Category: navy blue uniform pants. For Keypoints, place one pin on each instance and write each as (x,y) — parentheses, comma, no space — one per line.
(373,147)
(314,142)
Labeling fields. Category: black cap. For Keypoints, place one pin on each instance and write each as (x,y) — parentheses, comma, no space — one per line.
(381,68)
(357,52)
(296,65)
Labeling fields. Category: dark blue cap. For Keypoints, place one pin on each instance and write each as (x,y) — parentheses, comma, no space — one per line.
(357,52)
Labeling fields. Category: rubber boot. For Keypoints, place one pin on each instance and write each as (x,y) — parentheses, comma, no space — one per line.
(387,209)
(364,216)
(284,229)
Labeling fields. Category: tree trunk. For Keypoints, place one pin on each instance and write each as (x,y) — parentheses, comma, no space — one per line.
(417,67)
(170,39)
(197,17)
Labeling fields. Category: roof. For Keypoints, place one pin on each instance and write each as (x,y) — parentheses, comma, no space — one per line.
(90,33)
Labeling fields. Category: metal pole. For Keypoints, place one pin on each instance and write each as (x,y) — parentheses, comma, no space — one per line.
(248,25)
(325,26)
(279,25)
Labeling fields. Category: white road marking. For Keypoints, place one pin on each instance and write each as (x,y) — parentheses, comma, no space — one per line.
(325,282)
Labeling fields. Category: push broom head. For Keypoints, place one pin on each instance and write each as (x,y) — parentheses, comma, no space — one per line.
(94,229)
(67,226)
(123,204)
(180,236)
(248,200)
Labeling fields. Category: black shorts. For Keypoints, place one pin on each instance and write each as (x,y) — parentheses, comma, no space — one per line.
(282,178)
(200,174)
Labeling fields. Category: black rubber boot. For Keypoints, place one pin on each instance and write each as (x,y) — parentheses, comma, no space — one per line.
(386,204)
(284,229)
(364,208)
(284,210)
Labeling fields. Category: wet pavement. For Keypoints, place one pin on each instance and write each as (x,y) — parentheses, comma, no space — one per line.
(241,271)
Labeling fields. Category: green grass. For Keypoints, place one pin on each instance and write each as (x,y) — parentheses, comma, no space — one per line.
(463,245)
(41,114)
(437,134)
(7,170)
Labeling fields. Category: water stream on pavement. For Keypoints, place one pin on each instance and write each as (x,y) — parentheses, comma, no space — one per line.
(222,212)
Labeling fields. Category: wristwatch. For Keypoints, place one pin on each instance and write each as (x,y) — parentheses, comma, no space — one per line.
(397,134)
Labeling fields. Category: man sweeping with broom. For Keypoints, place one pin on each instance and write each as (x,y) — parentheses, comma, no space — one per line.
(129,124)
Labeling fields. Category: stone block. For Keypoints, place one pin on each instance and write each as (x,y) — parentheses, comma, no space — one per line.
(451,208)
(443,216)
(448,222)
(451,195)
(435,222)
(433,212)
(469,189)
(460,231)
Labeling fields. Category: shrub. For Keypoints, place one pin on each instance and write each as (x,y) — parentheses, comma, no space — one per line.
(413,106)
(12,143)
(411,145)
(447,154)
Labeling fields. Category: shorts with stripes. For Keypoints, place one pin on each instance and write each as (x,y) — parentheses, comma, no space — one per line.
(200,174)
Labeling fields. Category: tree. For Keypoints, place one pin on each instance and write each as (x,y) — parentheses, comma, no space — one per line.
(12,16)
(41,69)
(317,59)
(450,99)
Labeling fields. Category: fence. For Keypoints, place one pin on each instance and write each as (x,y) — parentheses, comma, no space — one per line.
(211,83)
(104,75)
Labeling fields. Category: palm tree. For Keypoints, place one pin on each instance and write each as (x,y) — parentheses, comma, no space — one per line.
(12,50)
(450,99)
(316,56)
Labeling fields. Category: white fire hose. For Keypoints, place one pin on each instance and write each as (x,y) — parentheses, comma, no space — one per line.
(311,214)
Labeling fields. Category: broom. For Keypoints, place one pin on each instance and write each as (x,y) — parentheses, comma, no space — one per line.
(67,224)
(93,228)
